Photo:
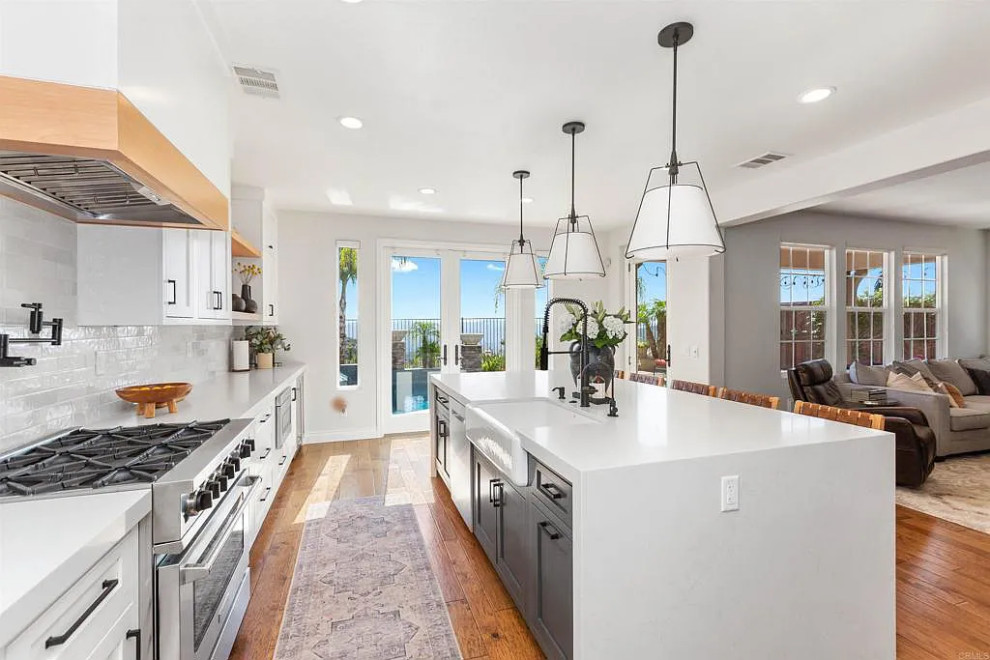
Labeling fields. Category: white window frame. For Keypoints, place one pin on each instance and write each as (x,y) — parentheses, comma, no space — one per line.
(336,306)
(941,331)
(831,320)
(885,309)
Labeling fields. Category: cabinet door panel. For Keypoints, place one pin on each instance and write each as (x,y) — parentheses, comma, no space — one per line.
(220,272)
(178,289)
(204,300)
(513,541)
(552,610)
(486,478)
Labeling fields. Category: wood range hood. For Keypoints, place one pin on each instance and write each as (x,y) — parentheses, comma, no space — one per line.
(89,155)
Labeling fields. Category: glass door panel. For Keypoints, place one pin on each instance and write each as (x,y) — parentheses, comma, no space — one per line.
(416,330)
(651,317)
(481,344)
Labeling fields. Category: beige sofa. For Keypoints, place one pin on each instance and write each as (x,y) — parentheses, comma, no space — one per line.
(957,430)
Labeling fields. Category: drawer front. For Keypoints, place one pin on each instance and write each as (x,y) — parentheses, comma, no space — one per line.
(552,490)
(79,621)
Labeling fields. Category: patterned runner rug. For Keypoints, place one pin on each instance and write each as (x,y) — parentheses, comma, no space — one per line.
(363,588)
(958,490)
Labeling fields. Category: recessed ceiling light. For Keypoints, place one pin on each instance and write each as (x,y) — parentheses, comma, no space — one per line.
(339,197)
(527,200)
(816,95)
(428,191)
(351,122)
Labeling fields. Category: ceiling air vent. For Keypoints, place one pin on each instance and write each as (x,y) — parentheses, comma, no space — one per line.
(764,159)
(257,81)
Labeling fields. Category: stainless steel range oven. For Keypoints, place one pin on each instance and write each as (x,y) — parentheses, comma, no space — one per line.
(203,592)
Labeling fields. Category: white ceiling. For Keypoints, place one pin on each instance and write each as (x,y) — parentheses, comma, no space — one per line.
(456,95)
(960,197)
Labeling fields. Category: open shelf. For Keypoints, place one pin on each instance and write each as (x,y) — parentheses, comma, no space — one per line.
(240,247)
(243,318)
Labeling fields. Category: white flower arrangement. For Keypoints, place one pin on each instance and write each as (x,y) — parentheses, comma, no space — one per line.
(604,328)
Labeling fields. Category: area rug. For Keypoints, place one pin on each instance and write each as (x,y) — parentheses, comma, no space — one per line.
(363,588)
(958,490)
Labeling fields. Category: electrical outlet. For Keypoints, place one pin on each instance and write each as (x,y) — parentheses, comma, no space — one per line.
(730,493)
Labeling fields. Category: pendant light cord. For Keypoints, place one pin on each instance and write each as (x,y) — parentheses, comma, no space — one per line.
(573,213)
(673,164)
(522,241)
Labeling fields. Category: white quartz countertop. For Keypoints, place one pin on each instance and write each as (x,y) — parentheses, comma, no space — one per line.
(229,395)
(48,544)
(654,424)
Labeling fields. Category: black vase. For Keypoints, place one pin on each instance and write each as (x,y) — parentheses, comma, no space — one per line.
(246,292)
(237,303)
(601,363)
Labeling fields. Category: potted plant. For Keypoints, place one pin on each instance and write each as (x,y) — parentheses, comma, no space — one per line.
(606,330)
(264,342)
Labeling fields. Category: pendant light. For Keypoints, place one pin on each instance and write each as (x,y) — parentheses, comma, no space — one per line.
(676,216)
(574,252)
(521,269)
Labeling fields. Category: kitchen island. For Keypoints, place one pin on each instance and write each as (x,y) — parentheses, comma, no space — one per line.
(612,538)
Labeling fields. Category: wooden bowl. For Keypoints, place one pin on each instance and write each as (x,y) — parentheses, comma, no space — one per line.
(148,397)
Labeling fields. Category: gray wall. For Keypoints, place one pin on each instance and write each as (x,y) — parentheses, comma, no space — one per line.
(74,384)
(752,286)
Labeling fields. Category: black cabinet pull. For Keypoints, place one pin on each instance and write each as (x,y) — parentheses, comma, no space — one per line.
(497,495)
(551,491)
(267,451)
(457,354)
(284,459)
(445,355)
(172,284)
(442,428)
(294,395)
(136,635)
(491,489)
(219,299)
(108,586)
(268,490)
(547,527)
(271,309)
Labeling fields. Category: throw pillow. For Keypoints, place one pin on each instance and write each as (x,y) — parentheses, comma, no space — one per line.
(898,381)
(956,399)
(912,367)
(981,363)
(982,379)
(865,374)
(949,371)
(922,382)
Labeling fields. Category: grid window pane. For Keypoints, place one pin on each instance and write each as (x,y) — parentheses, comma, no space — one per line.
(866,306)
(922,306)
(803,284)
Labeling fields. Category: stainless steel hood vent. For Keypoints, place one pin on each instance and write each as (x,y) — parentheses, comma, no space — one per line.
(84,189)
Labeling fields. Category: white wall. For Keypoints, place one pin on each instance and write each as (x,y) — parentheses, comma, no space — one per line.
(752,286)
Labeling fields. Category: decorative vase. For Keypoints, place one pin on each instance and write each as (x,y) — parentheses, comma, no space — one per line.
(265,360)
(471,338)
(246,292)
(237,303)
(601,363)
(250,306)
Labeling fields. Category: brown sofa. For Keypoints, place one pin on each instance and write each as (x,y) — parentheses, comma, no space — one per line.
(957,430)
(914,440)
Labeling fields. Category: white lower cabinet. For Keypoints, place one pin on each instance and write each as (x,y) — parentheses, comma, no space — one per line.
(96,618)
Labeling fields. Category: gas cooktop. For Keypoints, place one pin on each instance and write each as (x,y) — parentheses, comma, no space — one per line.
(96,458)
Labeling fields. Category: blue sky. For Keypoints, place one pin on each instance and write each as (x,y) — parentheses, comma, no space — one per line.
(416,288)
(653,275)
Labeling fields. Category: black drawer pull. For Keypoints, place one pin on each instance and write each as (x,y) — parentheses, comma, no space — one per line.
(268,491)
(294,395)
(171,283)
(284,459)
(108,586)
(552,491)
(136,635)
(268,451)
(547,527)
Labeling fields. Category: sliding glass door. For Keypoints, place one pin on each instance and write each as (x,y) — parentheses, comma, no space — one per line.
(444,312)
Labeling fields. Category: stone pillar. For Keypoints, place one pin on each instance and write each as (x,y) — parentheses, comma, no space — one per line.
(470,358)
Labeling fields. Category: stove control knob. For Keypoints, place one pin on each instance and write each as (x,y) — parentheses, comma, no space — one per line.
(245,450)
(235,460)
(250,443)
(228,470)
(214,487)
(201,500)
(220,479)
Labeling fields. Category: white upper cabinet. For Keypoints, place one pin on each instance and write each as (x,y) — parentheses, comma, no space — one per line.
(178,283)
(257,223)
(211,253)
(269,271)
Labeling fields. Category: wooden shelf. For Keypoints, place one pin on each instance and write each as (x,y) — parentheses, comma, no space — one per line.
(243,318)
(239,247)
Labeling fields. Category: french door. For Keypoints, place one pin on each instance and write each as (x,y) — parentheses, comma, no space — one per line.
(648,349)
(441,312)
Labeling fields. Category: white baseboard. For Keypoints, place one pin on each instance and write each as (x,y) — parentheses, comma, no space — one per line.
(315,437)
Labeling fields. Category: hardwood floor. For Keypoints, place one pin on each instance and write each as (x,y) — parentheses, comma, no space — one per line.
(943,570)
(485,621)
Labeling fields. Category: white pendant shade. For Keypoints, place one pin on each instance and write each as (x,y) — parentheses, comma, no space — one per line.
(573,255)
(521,268)
(675,221)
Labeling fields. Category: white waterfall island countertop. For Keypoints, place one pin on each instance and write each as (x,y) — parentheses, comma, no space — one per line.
(804,568)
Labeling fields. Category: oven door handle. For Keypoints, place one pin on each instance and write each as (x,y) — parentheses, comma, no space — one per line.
(192,572)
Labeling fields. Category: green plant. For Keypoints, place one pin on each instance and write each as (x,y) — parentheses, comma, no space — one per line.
(265,340)
(492,362)
(604,328)
(427,336)
(539,347)
(346,273)
(654,315)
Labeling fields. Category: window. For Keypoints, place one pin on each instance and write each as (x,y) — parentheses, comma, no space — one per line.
(921,300)
(803,303)
(866,306)
(651,316)
(347,314)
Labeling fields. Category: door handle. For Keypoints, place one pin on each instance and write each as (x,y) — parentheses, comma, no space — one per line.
(457,354)
(550,530)
(172,284)
(57,640)
(445,355)
(136,635)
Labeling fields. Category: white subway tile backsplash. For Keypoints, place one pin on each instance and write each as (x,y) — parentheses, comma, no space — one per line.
(74,384)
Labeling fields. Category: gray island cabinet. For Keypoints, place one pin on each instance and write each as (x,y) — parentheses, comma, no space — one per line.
(612,539)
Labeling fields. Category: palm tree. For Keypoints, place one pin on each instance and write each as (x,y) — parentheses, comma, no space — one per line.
(427,335)
(347,273)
